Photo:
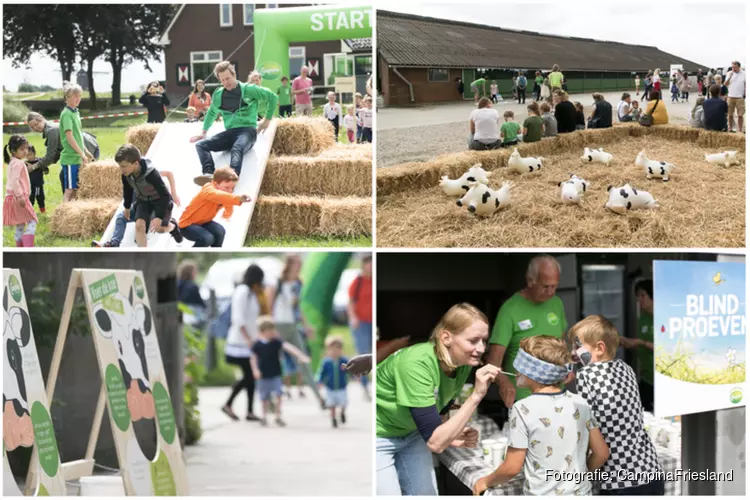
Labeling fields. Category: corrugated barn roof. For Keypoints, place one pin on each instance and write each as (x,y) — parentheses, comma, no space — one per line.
(414,41)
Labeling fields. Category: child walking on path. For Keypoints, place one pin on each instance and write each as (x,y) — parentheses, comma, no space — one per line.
(154,208)
(350,123)
(36,176)
(17,208)
(332,111)
(74,153)
(332,374)
(266,366)
(610,388)
(551,430)
(197,220)
(493,92)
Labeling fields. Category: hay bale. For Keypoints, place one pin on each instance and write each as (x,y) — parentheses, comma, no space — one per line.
(83,218)
(340,150)
(285,216)
(346,217)
(318,176)
(675,132)
(711,139)
(302,135)
(141,136)
(100,179)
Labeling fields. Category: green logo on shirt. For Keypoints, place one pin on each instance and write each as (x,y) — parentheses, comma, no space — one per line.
(552,318)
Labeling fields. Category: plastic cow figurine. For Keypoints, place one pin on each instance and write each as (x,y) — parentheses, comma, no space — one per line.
(573,189)
(524,165)
(459,187)
(653,168)
(624,198)
(482,200)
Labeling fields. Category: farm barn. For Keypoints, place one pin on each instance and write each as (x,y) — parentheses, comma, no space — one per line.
(421,58)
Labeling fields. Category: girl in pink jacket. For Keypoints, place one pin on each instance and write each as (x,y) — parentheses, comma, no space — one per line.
(17,209)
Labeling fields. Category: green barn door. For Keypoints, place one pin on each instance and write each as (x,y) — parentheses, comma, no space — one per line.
(468,76)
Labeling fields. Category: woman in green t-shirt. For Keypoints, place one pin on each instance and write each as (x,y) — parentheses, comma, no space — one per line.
(414,385)
(533,126)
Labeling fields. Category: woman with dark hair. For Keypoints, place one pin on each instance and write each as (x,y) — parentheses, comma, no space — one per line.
(657,109)
(187,289)
(484,126)
(601,116)
(200,99)
(156,102)
(648,85)
(565,113)
(247,307)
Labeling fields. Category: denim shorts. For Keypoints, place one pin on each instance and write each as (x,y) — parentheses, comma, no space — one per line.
(269,387)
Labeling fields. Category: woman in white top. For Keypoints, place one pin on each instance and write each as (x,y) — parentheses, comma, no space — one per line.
(246,308)
(288,317)
(624,108)
(484,124)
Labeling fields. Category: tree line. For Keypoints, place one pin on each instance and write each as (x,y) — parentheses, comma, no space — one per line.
(70,33)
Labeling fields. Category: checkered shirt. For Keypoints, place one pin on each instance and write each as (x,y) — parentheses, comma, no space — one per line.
(611,389)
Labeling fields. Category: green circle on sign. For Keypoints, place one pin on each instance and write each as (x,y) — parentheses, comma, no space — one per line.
(15,289)
(118,397)
(44,438)
(270,70)
(140,291)
(552,318)
(161,477)
(736,395)
(164,413)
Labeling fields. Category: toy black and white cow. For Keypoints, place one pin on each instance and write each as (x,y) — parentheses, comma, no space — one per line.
(653,168)
(459,187)
(596,156)
(727,158)
(524,165)
(573,189)
(624,198)
(17,427)
(481,200)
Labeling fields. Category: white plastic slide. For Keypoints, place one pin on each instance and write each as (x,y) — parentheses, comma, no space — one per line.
(172,151)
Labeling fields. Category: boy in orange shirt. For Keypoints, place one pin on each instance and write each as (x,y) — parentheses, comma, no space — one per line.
(197,221)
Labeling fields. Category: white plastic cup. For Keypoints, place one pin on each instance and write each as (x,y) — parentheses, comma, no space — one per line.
(498,452)
(487,450)
(102,486)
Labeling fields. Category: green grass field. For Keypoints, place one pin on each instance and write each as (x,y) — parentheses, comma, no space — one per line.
(110,134)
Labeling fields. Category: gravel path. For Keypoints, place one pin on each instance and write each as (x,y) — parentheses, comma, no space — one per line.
(420,143)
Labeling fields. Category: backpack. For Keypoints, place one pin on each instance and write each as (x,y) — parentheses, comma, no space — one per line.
(219,327)
(521,82)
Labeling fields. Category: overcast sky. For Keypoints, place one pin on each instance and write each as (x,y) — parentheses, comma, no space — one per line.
(710,34)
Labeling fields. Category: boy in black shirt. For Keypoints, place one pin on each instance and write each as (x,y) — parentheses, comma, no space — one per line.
(266,365)
(154,207)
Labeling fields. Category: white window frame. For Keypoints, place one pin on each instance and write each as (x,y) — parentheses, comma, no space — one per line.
(304,56)
(205,53)
(223,22)
(447,80)
(272,6)
(244,14)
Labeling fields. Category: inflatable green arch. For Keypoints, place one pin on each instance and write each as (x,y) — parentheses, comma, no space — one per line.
(276,28)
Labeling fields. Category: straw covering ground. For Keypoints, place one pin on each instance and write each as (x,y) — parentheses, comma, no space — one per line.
(702,205)
(312,186)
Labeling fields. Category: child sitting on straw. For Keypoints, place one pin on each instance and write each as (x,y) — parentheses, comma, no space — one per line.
(550,122)
(551,430)
(74,154)
(17,209)
(197,220)
(332,112)
(266,366)
(365,117)
(695,119)
(191,118)
(533,126)
(332,374)
(123,217)
(350,123)
(635,112)
(36,176)
(610,388)
(154,208)
(510,130)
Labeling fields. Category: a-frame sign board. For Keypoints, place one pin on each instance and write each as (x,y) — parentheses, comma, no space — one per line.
(134,387)
(26,417)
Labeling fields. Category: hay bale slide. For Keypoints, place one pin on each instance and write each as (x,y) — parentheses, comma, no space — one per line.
(701,206)
(335,177)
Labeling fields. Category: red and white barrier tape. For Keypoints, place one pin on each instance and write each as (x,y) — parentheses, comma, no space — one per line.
(137,113)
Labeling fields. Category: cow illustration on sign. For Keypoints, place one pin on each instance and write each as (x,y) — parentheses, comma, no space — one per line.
(129,326)
(17,427)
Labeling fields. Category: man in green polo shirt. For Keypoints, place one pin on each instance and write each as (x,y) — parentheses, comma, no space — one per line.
(643,342)
(535,310)
(479,86)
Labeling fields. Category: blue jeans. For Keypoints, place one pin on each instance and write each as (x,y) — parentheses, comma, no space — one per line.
(363,343)
(404,466)
(210,234)
(120,224)
(237,141)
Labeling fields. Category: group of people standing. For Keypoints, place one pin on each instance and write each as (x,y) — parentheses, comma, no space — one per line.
(544,86)
(528,353)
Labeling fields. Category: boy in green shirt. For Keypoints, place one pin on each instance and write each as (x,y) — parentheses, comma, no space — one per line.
(74,153)
(509,130)
(533,126)
(285,98)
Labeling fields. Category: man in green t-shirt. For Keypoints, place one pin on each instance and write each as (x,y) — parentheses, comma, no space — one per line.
(555,78)
(643,342)
(479,86)
(285,98)
(535,310)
